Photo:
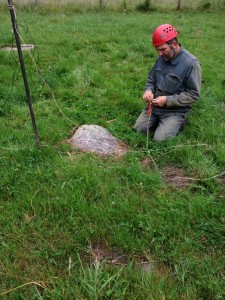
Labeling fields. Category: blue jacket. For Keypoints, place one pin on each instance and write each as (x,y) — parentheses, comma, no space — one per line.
(178,79)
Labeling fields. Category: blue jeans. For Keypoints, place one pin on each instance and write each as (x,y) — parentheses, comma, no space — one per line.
(165,123)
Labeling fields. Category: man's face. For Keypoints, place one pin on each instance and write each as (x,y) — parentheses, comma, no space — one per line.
(166,51)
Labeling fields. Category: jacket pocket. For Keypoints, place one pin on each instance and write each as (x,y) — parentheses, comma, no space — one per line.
(173,84)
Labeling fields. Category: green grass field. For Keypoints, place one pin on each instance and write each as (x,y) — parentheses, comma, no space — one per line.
(115,5)
(78,226)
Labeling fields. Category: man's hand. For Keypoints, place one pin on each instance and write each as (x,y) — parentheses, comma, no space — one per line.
(159,101)
(148,96)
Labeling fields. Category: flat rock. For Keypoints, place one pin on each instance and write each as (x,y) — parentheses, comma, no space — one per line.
(94,138)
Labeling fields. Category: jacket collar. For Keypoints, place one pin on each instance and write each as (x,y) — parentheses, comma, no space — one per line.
(174,61)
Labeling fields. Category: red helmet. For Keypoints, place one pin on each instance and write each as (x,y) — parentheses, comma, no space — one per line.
(163,34)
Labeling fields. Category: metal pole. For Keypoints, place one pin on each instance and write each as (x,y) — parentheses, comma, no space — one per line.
(22,65)
(36,5)
(179,5)
(101,4)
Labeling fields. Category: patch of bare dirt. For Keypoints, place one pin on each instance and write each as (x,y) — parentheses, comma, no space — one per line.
(101,252)
(147,163)
(145,265)
(175,176)
(222,181)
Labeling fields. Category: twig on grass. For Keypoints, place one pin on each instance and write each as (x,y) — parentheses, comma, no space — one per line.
(154,163)
(197,179)
(70,265)
(36,283)
(187,145)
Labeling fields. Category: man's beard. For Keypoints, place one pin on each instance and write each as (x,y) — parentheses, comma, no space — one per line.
(169,56)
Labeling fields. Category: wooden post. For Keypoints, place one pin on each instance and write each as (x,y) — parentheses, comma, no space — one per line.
(36,5)
(101,4)
(179,5)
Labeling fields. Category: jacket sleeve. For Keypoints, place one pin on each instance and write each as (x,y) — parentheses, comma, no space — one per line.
(192,87)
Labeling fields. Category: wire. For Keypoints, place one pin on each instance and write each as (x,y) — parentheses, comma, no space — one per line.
(150,106)
(38,71)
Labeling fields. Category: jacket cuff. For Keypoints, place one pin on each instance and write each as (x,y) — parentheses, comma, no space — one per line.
(169,101)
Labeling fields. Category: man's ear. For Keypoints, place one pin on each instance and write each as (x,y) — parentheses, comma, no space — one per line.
(174,43)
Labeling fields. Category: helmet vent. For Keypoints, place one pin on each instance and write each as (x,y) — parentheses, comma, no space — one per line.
(168,29)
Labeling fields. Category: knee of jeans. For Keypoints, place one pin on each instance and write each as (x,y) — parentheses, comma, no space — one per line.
(162,136)
(140,128)
(159,136)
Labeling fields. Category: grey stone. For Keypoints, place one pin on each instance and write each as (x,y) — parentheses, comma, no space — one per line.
(94,138)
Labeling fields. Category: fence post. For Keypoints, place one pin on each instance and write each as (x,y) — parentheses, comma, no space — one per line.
(179,4)
(36,5)
(101,4)
(22,65)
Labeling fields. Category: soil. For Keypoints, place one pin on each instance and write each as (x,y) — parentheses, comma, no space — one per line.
(172,175)
(175,177)
(102,253)
(147,163)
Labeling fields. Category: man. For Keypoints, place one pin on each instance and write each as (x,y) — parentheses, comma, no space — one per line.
(173,84)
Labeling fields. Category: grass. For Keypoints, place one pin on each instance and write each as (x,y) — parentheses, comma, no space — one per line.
(56,204)
(118,5)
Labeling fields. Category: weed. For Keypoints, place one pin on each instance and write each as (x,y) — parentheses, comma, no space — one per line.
(90,68)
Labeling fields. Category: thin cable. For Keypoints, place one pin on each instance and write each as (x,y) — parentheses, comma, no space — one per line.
(47,85)
(38,71)
(150,106)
